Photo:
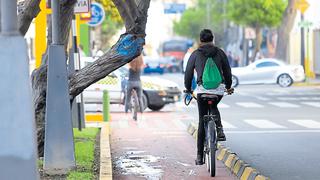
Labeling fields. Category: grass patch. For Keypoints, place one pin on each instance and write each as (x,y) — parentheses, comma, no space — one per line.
(84,151)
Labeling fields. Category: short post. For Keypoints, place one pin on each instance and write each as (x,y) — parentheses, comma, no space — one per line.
(18,153)
(106,106)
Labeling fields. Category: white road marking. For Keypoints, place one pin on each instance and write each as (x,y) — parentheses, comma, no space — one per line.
(227,125)
(284,104)
(159,123)
(123,124)
(143,123)
(314,104)
(307,123)
(249,105)
(262,98)
(272,131)
(288,98)
(222,105)
(264,124)
(178,123)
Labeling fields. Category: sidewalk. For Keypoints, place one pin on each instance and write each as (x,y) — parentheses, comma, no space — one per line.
(309,82)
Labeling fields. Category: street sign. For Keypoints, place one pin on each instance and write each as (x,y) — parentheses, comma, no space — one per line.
(305,24)
(174,8)
(97,14)
(82,6)
(302,5)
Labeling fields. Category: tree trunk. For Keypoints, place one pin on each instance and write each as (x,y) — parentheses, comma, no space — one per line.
(258,43)
(284,30)
(126,49)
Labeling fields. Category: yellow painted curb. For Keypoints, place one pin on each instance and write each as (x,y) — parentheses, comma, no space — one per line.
(94,117)
(237,167)
(246,173)
(105,153)
(229,160)
(260,177)
(222,153)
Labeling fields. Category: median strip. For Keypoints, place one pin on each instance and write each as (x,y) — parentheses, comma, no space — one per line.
(238,167)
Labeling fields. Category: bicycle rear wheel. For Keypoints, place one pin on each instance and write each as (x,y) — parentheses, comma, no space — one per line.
(212,148)
(135,104)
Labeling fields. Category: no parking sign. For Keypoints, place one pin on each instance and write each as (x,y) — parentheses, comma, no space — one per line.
(97,14)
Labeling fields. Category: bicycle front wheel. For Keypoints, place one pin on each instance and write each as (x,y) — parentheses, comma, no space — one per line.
(135,104)
(212,148)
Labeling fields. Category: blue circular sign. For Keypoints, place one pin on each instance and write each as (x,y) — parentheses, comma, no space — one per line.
(97,14)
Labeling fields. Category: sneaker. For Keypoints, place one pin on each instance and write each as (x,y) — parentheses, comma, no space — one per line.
(199,160)
(220,134)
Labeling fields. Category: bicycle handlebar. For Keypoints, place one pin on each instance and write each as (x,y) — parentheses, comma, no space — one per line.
(226,92)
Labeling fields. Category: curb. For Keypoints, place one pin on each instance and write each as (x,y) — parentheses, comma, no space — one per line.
(238,167)
(105,153)
(306,84)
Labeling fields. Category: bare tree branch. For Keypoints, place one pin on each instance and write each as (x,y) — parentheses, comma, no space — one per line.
(27,13)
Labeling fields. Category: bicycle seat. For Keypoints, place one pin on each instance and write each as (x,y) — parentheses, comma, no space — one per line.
(209,97)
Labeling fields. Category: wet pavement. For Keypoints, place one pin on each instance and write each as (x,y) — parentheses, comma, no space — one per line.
(157,146)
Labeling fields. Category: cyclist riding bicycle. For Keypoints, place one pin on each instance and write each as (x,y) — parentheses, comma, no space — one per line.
(134,82)
(197,62)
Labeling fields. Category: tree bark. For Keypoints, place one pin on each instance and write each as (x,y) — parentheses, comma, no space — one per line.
(126,49)
(258,43)
(284,31)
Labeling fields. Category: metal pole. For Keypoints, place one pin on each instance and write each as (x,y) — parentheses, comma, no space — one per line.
(302,44)
(55,21)
(9,18)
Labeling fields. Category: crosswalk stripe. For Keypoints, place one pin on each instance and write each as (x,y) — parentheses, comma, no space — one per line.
(284,104)
(143,124)
(179,124)
(123,124)
(227,125)
(159,123)
(306,123)
(314,104)
(222,105)
(249,105)
(264,124)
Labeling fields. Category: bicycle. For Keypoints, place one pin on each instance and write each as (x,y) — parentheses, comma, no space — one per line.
(134,104)
(210,143)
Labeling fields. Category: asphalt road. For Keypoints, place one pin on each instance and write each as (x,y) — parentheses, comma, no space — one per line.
(274,129)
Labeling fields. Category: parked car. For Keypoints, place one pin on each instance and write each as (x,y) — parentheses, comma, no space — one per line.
(268,71)
(153,65)
(157,92)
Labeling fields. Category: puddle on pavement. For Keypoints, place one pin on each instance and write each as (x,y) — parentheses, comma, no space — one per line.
(137,163)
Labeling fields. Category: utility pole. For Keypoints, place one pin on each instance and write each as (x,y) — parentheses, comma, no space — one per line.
(302,44)
(18,153)
(59,155)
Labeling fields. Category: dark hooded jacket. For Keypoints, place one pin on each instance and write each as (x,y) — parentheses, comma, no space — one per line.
(198,60)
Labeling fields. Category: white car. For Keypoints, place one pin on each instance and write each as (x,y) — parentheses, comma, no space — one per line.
(157,92)
(268,71)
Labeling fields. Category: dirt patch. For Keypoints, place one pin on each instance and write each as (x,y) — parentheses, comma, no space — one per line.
(95,168)
(96,164)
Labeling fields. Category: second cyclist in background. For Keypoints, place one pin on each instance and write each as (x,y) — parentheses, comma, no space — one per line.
(134,82)
(208,60)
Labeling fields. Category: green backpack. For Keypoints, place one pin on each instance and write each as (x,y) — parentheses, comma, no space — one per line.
(211,77)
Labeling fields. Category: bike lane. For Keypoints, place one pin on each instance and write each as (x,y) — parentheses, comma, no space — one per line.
(157,146)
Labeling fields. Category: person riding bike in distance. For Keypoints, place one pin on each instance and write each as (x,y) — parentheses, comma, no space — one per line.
(134,82)
(198,60)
